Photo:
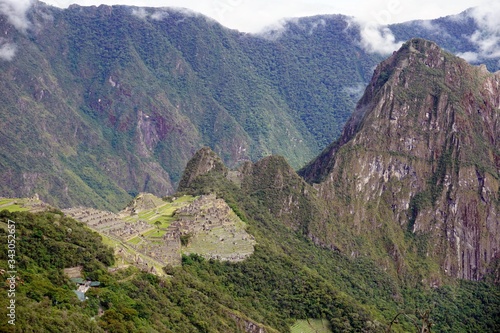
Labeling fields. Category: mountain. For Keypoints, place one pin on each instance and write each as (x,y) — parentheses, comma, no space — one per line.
(101,103)
(286,285)
(368,237)
(419,158)
(413,180)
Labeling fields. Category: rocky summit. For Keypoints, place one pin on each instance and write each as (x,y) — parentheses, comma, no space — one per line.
(417,166)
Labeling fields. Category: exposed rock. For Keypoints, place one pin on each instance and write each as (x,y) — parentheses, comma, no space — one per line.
(420,155)
(249,325)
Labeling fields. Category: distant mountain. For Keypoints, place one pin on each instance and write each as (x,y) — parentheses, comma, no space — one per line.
(385,231)
(100,103)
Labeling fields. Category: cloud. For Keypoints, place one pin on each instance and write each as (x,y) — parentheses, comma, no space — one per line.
(355,91)
(156,15)
(277,29)
(159,15)
(433,27)
(15,10)
(487,37)
(274,31)
(7,51)
(140,13)
(376,38)
(314,25)
(469,56)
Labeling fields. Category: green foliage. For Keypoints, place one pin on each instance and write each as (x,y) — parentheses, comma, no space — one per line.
(417,203)
(130,98)
(185,239)
(287,278)
(127,100)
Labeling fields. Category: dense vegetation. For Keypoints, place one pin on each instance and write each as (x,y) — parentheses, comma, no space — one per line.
(287,278)
(293,268)
(142,94)
(105,102)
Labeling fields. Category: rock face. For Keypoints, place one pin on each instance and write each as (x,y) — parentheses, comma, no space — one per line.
(420,158)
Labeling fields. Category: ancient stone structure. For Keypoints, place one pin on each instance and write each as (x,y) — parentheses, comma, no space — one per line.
(206,220)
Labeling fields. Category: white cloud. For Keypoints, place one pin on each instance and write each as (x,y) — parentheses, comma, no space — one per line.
(355,90)
(429,25)
(487,37)
(377,38)
(274,31)
(253,15)
(469,56)
(315,25)
(15,10)
(7,51)
(140,13)
(159,15)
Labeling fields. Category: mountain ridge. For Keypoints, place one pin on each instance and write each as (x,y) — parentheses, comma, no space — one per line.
(102,103)
(406,176)
(423,153)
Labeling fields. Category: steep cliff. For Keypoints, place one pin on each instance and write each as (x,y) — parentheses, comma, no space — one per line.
(417,168)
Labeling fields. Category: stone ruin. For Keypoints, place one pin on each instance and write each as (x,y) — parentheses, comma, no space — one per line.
(108,223)
(203,218)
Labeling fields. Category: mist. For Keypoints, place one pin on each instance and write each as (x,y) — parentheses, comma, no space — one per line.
(7,51)
(377,38)
(15,10)
(487,36)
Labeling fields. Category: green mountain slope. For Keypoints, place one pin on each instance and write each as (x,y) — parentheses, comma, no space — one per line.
(101,103)
(113,119)
(287,278)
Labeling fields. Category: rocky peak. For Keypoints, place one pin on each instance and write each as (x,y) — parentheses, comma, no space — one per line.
(421,150)
(203,162)
(401,70)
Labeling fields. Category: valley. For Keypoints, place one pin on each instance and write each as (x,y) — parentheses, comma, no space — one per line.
(122,101)
(185,177)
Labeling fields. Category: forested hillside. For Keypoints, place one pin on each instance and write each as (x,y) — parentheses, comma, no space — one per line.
(287,278)
(101,103)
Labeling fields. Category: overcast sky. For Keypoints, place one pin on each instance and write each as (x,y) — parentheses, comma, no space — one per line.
(252,15)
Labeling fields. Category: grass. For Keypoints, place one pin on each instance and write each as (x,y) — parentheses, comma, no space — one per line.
(208,244)
(109,241)
(14,206)
(166,222)
(6,201)
(147,215)
(184,198)
(311,326)
(155,233)
(113,243)
(134,241)
(162,213)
